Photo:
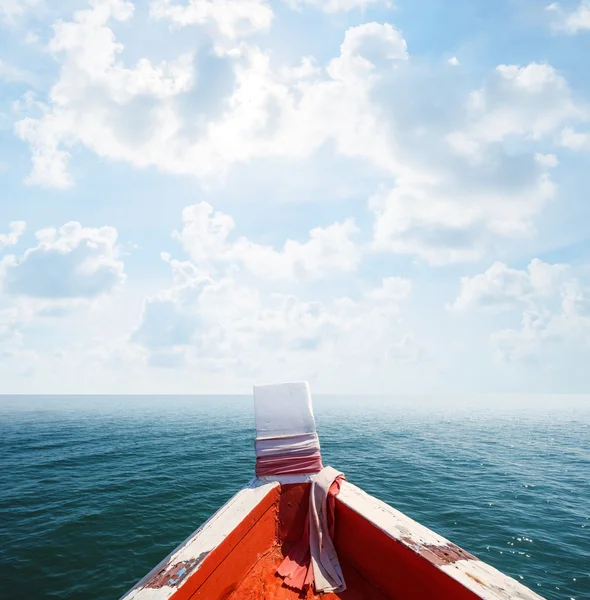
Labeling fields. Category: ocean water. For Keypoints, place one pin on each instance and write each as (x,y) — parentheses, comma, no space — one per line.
(94,491)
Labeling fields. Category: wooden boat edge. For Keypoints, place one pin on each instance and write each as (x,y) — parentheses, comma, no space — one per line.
(197,551)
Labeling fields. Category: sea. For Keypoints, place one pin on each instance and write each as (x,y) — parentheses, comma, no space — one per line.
(96,490)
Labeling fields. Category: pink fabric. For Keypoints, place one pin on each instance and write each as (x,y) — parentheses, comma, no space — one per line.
(288,455)
(333,492)
(288,464)
(296,569)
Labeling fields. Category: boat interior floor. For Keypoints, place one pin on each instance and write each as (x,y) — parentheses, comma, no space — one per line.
(262,582)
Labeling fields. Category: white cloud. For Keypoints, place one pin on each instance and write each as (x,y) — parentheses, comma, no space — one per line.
(531,101)
(368,49)
(453,61)
(107,363)
(215,318)
(544,329)
(306,70)
(456,220)
(447,206)
(393,289)
(575,140)
(90,52)
(68,269)
(12,74)
(205,236)
(334,6)
(547,160)
(10,323)
(454,205)
(571,22)
(136,115)
(222,322)
(165,324)
(89,103)
(10,10)
(233,18)
(14,350)
(31,38)
(555,306)
(70,263)
(17,228)
(503,288)
(205,232)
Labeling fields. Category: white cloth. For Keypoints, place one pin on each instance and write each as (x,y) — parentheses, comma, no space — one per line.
(288,444)
(283,409)
(286,439)
(324,560)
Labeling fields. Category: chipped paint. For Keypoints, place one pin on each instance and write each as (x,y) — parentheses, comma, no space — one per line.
(165,579)
(173,574)
(447,554)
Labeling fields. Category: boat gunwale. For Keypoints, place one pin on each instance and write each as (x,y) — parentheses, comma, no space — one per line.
(196,547)
(466,570)
(487,583)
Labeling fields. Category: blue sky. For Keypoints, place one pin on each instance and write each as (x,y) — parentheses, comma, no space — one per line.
(377,197)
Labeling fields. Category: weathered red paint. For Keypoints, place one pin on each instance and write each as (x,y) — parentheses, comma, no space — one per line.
(293,509)
(262,583)
(375,566)
(228,575)
(262,531)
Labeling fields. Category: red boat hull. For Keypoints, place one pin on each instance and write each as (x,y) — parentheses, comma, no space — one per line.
(384,555)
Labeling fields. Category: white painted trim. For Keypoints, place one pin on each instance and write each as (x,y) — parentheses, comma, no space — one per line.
(494,585)
(205,539)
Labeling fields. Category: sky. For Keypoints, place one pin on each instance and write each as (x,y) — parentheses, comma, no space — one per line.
(377,197)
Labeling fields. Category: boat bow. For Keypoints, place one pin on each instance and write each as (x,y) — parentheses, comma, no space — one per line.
(381,553)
